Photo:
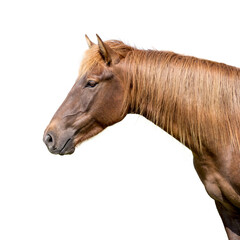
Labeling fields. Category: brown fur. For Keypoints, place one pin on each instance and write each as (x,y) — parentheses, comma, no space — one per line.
(196,101)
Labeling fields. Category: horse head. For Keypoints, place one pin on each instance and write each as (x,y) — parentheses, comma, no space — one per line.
(96,101)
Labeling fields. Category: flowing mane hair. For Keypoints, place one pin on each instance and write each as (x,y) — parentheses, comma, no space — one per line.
(195,100)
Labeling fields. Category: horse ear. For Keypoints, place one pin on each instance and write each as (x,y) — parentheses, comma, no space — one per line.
(89,42)
(107,53)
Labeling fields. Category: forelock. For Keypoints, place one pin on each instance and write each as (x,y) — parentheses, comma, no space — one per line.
(91,59)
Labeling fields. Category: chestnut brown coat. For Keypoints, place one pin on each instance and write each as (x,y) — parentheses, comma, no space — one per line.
(196,101)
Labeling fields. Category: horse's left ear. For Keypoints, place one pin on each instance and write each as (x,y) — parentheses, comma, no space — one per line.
(89,42)
(107,53)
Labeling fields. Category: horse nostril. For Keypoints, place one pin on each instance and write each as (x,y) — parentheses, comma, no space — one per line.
(48,139)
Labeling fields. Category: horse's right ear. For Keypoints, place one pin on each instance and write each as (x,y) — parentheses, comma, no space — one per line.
(108,54)
(89,42)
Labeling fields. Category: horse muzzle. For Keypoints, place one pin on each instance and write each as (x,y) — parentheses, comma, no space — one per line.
(59,146)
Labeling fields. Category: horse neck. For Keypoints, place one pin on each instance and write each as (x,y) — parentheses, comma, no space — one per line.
(152,92)
(169,90)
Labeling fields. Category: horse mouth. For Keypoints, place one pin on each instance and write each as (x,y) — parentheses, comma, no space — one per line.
(68,148)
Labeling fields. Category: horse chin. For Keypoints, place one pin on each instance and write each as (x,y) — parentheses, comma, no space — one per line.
(67,151)
(68,147)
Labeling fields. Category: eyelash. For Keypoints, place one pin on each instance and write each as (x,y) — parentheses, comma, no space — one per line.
(91,83)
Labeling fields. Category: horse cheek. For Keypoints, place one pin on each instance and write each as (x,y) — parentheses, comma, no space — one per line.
(115,106)
(110,109)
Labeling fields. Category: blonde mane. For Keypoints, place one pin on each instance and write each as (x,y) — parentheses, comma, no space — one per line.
(92,58)
(197,101)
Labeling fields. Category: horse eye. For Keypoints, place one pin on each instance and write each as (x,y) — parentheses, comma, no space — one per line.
(91,83)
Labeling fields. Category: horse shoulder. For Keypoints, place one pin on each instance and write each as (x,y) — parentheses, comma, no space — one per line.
(220,174)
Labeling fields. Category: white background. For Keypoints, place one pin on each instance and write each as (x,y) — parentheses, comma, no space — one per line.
(132,181)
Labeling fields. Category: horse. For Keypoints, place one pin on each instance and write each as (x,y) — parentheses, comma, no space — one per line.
(195,100)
